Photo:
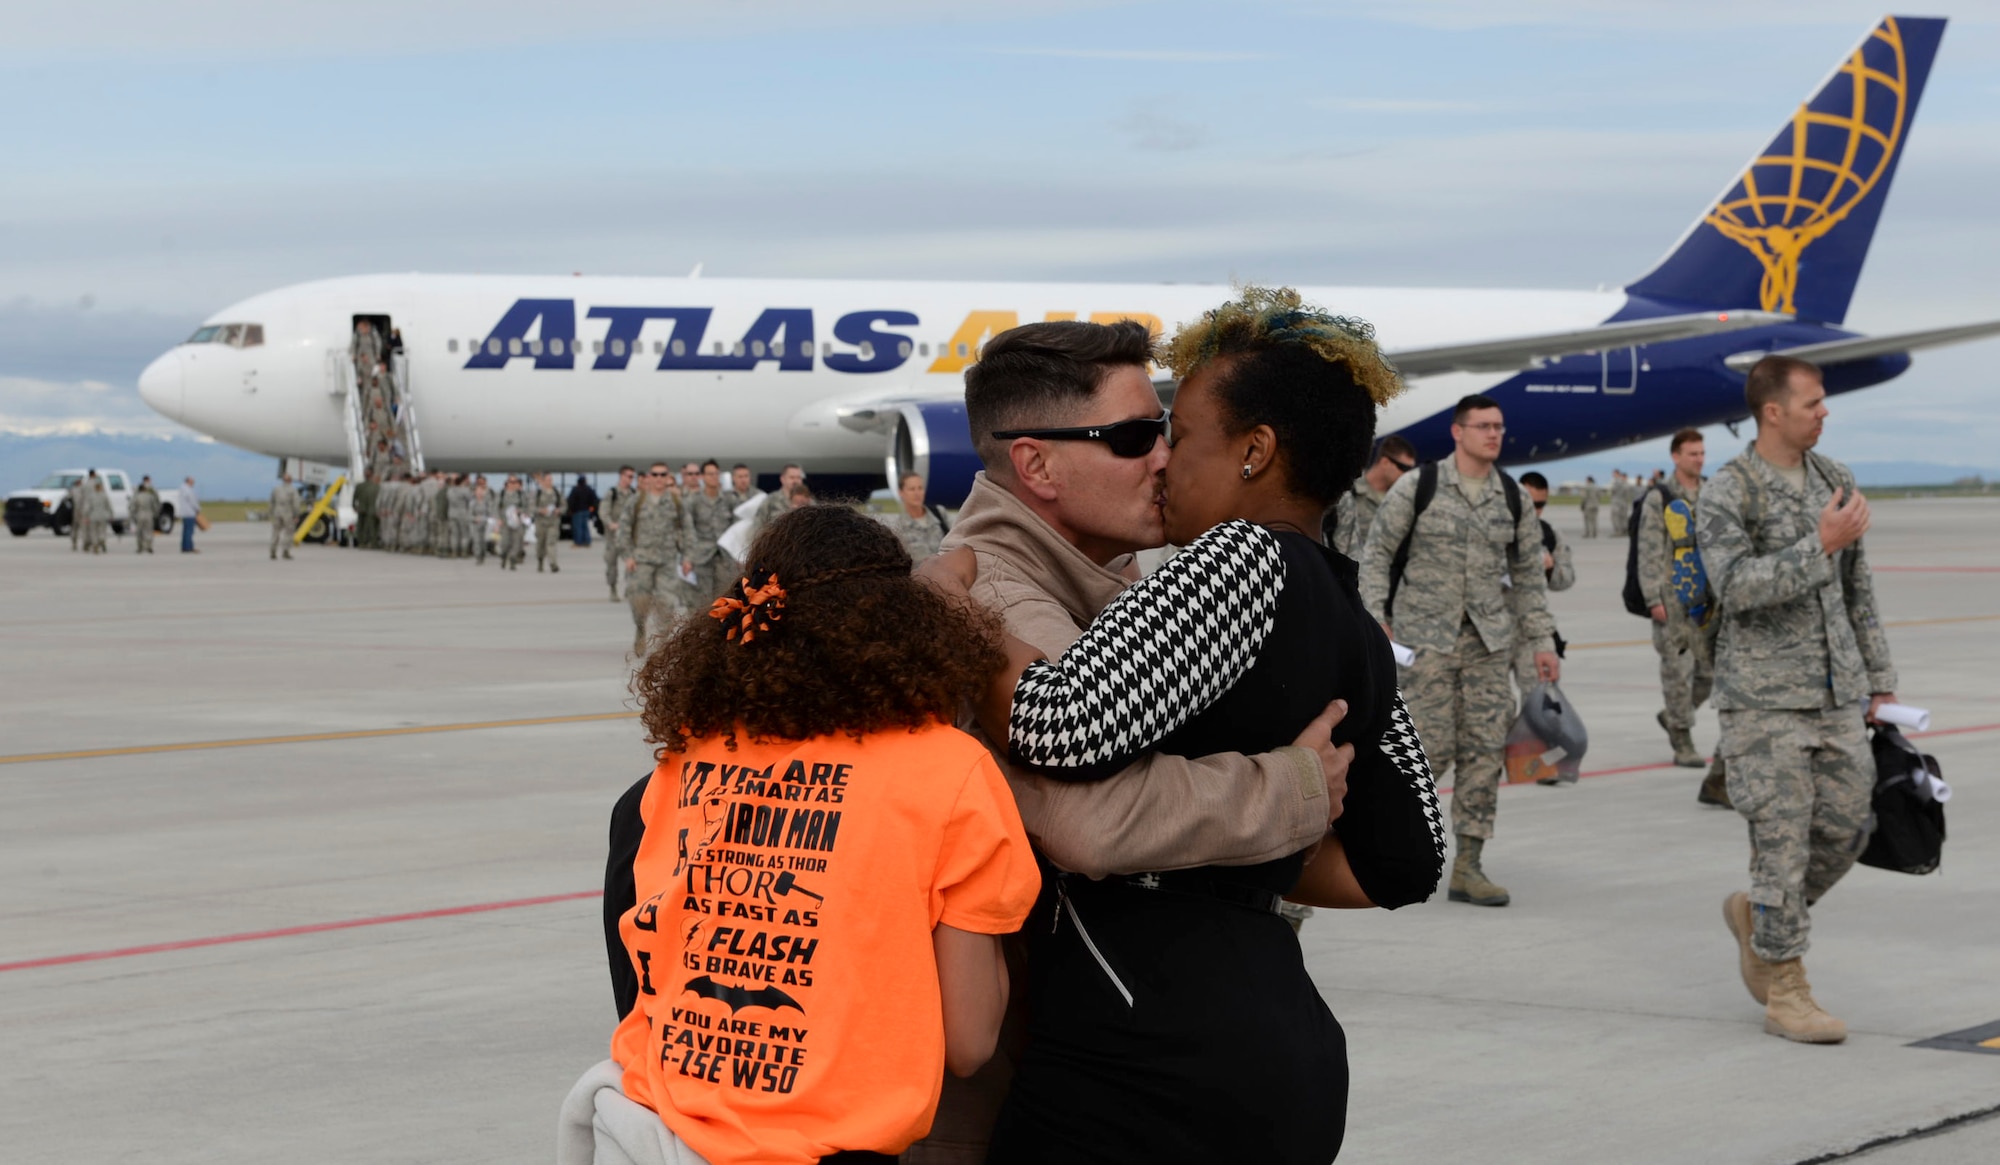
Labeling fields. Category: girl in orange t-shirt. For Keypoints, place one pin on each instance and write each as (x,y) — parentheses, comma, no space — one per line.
(826,862)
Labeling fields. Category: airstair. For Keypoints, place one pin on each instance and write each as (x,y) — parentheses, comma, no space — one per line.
(345,383)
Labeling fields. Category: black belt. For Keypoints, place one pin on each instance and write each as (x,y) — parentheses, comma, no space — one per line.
(1194,885)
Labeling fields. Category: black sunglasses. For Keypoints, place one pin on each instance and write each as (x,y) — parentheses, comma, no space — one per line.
(1405,466)
(1133,438)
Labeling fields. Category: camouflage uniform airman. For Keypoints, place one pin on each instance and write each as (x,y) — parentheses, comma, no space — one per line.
(774,505)
(920,535)
(548,508)
(144,512)
(1686,648)
(458,513)
(512,525)
(388,514)
(97,506)
(1455,610)
(1800,649)
(708,517)
(609,507)
(1354,517)
(654,533)
(284,517)
(1590,506)
(416,517)
(77,505)
(1623,494)
(438,506)
(367,531)
(479,511)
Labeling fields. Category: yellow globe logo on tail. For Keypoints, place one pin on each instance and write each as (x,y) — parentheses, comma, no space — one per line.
(1818,170)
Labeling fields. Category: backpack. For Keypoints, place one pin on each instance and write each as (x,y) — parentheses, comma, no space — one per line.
(1687,578)
(1427,487)
(1908,829)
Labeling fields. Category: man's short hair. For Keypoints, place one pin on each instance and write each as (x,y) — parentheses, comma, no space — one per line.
(1683,437)
(1471,404)
(1534,479)
(712,461)
(659,465)
(1770,382)
(737,466)
(1397,448)
(626,469)
(1041,375)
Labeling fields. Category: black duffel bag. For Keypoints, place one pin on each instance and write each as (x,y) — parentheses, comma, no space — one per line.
(1908,834)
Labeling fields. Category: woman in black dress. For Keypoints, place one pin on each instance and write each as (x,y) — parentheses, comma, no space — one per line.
(1171,1014)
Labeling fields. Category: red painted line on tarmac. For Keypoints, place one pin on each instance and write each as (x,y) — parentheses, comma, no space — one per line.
(546,899)
(289,931)
(1953,731)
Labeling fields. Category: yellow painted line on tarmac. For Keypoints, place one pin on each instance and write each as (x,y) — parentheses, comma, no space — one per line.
(1992,1043)
(1604,643)
(310,737)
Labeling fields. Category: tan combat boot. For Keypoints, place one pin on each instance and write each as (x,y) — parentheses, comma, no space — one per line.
(1755,971)
(1682,742)
(1469,883)
(1714,787)
(1792,1011)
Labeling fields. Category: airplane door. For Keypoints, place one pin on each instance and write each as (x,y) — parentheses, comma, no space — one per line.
(1619,371)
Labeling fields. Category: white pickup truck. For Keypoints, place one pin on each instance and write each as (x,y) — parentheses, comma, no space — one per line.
(47,504)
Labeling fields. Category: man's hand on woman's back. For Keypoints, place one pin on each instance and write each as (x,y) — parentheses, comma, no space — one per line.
(1333,758)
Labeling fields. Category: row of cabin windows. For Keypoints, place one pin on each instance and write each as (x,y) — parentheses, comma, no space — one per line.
(519,347)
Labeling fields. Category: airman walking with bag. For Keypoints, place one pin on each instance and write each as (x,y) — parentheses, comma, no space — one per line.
(1801,665)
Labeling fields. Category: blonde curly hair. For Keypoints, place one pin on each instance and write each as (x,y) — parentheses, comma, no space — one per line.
(1260,318)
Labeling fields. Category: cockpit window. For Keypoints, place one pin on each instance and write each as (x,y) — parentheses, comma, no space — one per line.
(234,335)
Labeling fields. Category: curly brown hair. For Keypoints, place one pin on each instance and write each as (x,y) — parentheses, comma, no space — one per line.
(858,645)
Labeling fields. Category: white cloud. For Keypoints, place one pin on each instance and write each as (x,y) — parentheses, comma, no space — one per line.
(31,407)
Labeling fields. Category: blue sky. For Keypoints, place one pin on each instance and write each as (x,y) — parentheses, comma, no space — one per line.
(168,158)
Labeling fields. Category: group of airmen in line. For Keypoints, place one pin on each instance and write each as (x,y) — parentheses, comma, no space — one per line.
(678,543)
(371,353)
(92,518)
(1620,497)
(460,516)
(1784,636)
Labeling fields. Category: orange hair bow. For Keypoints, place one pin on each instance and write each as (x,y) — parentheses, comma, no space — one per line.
(760,607)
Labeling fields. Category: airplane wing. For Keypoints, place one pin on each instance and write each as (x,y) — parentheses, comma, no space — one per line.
(1515,353)
(1863,347)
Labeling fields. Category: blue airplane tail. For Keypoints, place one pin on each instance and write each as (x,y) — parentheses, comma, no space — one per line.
(1790,234)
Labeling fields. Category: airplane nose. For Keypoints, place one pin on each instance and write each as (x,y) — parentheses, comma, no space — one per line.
(160,385)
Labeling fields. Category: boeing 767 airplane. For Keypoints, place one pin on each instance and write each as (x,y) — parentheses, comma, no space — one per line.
(863,377)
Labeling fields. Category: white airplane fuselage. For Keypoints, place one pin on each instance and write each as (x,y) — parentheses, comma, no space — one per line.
(586,409)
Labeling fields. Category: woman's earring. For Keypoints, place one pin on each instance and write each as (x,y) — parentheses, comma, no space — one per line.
(1246,472)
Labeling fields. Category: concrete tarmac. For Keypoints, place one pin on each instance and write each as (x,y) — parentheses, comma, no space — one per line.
(411,966)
